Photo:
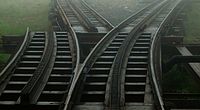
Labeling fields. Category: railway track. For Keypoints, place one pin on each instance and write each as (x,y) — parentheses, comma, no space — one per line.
(25,68)
(59,74)
(40,76)
(45,67)
(82,17)
(116,73)
(96,19)
(172,101)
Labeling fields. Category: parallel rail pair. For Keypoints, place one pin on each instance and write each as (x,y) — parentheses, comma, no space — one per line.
(82,17)
(116,77)
(119,73)
(40,74)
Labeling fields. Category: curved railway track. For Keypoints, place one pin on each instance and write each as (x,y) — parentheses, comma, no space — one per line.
(82,17)
(45,67)
(15,58)
(42,75)
(26,67)
(116,74)
(59,74)
(174,101)
(119,73)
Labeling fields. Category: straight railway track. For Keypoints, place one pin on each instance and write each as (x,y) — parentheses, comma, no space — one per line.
(102,25)
(82,17)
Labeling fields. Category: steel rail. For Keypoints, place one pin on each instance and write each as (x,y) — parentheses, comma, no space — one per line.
(5,72)
(30,89)
(73,36)
(154,42)
(117,68)
(96,49)
(46,73)
(109,36)
(76,50)
(29,62)
(82,17)
(103,19)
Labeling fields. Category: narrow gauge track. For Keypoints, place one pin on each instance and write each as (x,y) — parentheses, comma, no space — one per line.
(82,22)
(52,77)
(42,78)
(173,101)
(36,80)
(95,73)
(26,66)
(59,75)
(46,83)
(96,19)
(78,23)
(140,85)
(100,83)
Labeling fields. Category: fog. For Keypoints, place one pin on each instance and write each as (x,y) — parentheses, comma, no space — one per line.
(117,10)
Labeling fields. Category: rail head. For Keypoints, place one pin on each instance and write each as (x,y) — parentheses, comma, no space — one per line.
(73,36)
(30,89)
(119,62)
(109,36)
(154,42)
(115,30)
(98,48)
(9,67)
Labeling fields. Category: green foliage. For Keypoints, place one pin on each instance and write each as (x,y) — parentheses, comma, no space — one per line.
(192,23)
(4,57)
(179,80)
(1,42)
(16,15)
